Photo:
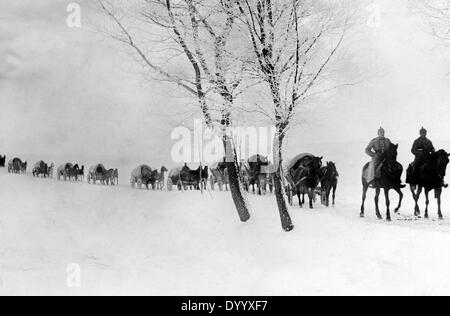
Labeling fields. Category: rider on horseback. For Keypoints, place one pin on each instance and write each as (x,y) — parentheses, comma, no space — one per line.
(376,150)
(423,150)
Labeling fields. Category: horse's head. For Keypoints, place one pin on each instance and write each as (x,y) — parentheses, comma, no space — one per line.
(163,170)
(442,161)
(392,153)
(317,164)
(205,172)
(331,169)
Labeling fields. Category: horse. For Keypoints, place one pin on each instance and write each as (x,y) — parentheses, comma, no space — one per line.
(2,161)
(219,176)
(141,175)
(253,174)
(390,179)
(80,174)
(430,177)
(329,182)
(74,172)
(50,170)
(160,179)
(115,177)
(109,178)
(64,171)
(305,176)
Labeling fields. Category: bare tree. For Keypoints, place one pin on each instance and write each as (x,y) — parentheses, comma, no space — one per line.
(198,30)
(437,13)
(293,42)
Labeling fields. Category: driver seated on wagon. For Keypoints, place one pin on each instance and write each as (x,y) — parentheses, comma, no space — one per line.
(376,150)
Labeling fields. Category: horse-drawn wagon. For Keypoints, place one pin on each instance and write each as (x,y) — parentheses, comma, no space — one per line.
(219,176)
(42,168)
(257,171)
(303,174)
(100,173)
(145,175)
(184,178)
(69,171)
(17,166)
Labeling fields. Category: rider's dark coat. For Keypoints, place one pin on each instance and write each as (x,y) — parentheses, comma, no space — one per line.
(422,145)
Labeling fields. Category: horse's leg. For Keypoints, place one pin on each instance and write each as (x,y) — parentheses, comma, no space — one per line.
(400,193)
(427,202)
(364,196)
(416,196)
(377,199)
(388,205)
(438,196)
(328,197)
(311,195)
(334,194)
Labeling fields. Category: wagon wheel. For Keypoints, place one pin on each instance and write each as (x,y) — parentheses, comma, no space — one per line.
(169,185)
(180,185)
(211,181)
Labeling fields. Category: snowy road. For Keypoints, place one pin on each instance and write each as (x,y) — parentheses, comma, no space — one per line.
(138,242)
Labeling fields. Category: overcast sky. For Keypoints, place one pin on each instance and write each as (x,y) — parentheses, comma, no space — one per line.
(69,91)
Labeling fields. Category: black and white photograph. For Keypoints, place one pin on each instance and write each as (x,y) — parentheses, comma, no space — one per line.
(224,149)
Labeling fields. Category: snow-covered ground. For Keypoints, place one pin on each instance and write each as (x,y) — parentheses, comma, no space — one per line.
(170,243)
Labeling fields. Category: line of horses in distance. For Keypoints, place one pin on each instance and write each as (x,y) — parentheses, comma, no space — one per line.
(305,175)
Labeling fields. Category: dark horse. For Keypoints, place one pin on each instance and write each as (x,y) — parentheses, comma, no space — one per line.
(255,175)
(329,182)
(304,177)
(429,177)
(390,179)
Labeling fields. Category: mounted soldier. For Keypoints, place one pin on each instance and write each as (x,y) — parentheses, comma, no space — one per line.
(422,149)
(376,150)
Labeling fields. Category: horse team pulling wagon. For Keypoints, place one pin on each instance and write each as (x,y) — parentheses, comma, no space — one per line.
(70,172)
(100,173)
(258,171)
(303,174)
(184,178)
(41,168)
(17,166)
(219,176)
(145,175)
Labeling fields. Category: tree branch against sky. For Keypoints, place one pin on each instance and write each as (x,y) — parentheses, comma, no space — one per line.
(293,42)
(199,31)
(437,14)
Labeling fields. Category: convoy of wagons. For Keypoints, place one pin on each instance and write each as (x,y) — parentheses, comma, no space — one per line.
(303,175)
